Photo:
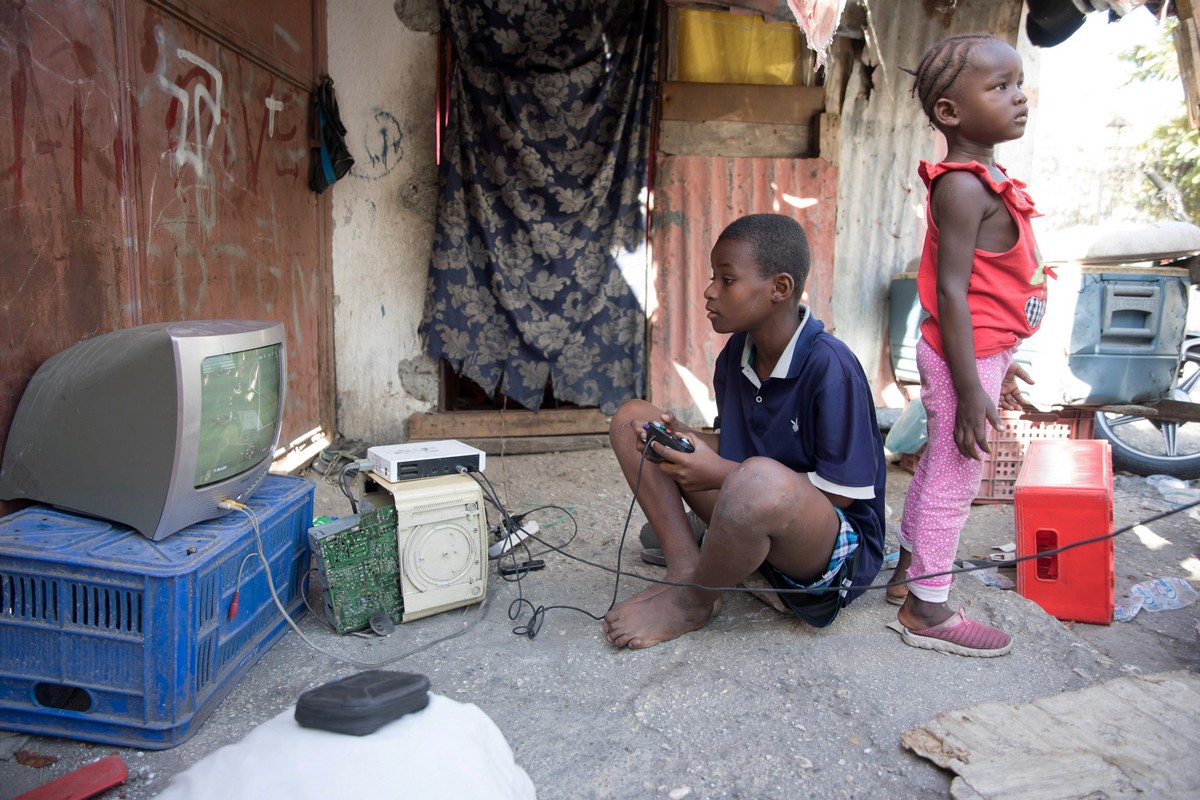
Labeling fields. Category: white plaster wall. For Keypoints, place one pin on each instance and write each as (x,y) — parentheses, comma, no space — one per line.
(383,212)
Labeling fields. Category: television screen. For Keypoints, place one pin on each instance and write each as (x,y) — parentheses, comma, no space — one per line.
(151,426)
(239,407)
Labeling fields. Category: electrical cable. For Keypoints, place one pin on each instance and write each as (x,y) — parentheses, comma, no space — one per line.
(618,572)
(304,589)
(532,626)
(349,451)
(237,587)
(249,512)
(492,495)
(568,513)
(356,466)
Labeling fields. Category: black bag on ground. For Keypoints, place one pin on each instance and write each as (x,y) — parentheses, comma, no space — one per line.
(331,158)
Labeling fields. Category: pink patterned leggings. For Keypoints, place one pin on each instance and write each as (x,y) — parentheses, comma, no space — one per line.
(939,497)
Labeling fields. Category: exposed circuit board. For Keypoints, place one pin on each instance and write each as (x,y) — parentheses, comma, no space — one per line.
(358,564)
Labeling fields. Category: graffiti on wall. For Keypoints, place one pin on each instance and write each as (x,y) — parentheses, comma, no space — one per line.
(42,129)
(273,105)
(381,143)
(189,109)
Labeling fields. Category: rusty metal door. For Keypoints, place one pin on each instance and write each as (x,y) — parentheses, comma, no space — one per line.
(154,167)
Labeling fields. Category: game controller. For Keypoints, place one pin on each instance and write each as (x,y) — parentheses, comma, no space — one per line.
(657,432)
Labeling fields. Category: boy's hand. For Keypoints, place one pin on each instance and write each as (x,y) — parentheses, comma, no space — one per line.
(669,421)
(695,472)
(1011,398)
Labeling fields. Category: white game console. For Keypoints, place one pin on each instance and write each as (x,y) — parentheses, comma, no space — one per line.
(441,537)
(415,460)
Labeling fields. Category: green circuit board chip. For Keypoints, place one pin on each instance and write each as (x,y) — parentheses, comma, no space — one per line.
(358,564)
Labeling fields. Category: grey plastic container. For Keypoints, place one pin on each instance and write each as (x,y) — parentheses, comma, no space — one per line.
(1116,330)
(904,320)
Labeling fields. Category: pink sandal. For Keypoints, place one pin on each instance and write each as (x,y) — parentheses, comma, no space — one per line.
(960,635)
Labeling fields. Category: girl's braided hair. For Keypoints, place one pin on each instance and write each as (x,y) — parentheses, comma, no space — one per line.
(940,67)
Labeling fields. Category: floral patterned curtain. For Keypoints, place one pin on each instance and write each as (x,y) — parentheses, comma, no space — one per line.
(544,174)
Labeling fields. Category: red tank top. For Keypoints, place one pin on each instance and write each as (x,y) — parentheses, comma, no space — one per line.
(1007,291)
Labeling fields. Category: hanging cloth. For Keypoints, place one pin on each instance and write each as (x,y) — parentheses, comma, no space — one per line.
(543,180)
(819,20)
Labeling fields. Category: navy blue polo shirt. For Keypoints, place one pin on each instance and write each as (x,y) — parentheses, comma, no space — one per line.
(816,415)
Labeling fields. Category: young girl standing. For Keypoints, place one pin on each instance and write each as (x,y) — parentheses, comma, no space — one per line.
(983,285)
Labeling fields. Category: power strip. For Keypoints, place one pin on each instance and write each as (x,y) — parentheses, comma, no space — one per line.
(528,528)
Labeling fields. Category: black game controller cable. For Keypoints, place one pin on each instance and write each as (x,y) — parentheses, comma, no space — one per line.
(534,623)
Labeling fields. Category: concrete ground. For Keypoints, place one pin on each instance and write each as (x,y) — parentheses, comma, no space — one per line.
(755,705)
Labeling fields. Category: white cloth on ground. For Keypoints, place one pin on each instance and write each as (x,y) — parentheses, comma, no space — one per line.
(446,750)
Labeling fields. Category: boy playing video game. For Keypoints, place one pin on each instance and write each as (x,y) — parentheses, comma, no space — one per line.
(791,481)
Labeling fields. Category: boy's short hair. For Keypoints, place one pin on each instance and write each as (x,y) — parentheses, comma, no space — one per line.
(778,242)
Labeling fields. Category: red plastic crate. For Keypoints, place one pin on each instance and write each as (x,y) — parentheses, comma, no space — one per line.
(1010,441)
(1064,495)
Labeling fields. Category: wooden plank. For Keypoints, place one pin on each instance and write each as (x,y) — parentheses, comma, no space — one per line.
(1162,410)
(735,139)
(1037,777)
(529,445)
(1176,411)
(704,102)
(830,137)
(464,425)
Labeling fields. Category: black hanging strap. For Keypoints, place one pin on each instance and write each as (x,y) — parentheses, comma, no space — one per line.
(331,158)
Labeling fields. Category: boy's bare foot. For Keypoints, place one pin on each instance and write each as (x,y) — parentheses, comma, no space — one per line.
(655,589)
(651,590)
(660,617)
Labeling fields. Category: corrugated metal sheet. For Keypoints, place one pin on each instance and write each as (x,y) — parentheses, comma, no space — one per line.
(695,197)
(884,133)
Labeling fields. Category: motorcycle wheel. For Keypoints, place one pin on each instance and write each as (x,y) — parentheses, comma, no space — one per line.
(1144,447)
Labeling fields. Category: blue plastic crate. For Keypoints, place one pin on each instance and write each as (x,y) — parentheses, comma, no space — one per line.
(109,637)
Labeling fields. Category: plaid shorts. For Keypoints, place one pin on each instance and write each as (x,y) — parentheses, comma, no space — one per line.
(821,608)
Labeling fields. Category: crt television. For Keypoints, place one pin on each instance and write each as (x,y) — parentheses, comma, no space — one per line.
(151,426)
